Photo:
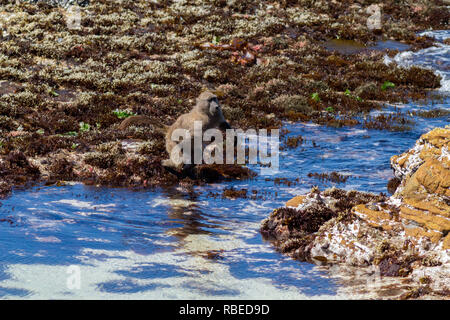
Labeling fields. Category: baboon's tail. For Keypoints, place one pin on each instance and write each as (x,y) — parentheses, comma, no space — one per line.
(142,120)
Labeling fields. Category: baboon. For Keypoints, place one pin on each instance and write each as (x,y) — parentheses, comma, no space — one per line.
(207,110)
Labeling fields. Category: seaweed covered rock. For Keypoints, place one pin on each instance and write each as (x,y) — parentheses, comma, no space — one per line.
(267,61)
(405,235)
(17,169)
(422,198)
(328,229)
(432,145)
(367,90)
(5,189)
(300,228)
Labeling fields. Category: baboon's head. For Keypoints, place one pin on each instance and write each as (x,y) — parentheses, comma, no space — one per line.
(207,103)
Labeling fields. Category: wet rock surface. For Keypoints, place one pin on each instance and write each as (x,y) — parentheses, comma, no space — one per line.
(405,235)
(423,194)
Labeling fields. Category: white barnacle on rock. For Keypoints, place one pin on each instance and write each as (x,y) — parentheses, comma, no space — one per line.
(445,154)
(412,163)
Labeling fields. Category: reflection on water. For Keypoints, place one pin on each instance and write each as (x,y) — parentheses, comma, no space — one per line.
(144,244)
(185,244)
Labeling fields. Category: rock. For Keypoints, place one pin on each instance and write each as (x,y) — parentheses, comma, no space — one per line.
(446,242)
(424,191)
(294,103)
(421,202)
(5,189)
(367,91)
(420,205)
(402,236)
(434,144)
(295,202)
(303,228)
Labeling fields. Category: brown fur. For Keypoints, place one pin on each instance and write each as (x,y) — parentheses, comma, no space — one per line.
(207,110)
(137,121)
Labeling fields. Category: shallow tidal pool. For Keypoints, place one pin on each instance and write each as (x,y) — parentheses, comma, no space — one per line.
(178,244)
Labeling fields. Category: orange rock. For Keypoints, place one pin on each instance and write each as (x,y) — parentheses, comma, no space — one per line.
(433,205)
(434,177)
(399,159)
(375,218)
(420,232)
(295,202)
(438,137)
(430,221)
(427,188)
(431,145)
(446,243)
(374,215)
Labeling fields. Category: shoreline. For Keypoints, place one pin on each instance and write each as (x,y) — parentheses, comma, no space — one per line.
(60,89)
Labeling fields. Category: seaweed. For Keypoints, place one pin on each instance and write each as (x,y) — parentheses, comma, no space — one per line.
(65,89)
(333,177)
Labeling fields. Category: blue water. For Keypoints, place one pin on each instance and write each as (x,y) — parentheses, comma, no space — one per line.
(161,244)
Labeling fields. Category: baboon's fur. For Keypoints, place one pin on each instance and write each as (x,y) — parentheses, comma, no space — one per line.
(139,121)
(207,110)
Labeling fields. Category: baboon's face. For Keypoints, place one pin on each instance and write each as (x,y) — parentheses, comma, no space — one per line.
(207,103)
(214,106)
